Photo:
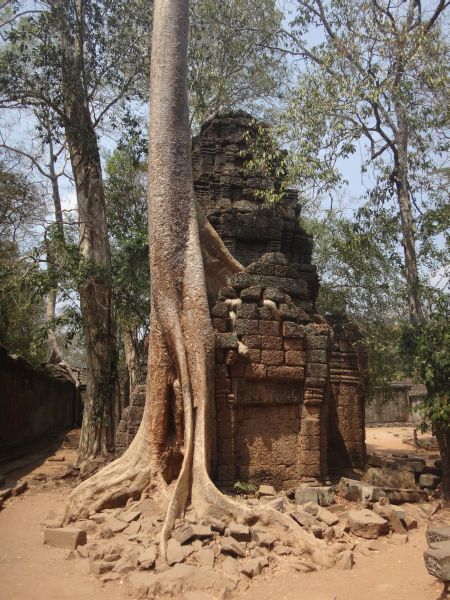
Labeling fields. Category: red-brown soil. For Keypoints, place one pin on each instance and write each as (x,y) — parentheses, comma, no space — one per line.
(31,571)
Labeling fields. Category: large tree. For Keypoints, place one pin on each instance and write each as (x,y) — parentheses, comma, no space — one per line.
(78,59)
(186,257)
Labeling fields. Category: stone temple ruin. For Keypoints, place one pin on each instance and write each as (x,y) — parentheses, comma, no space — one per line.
(292,409)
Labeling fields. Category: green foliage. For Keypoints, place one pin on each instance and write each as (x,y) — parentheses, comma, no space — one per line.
(126,197)
(232,63)
(426,350)
(241,488)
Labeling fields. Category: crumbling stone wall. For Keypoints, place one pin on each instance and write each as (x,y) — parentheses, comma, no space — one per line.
(289,383)
(34,402)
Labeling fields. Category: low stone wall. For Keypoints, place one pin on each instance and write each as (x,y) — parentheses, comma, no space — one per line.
(396,403)
(33,402)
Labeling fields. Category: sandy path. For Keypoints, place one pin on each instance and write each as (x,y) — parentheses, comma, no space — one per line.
(31,571)
(396,573)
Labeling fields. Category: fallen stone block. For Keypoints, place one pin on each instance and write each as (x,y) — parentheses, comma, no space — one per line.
(174,552)
(352,489)
(205,557)
(146,559)
(265,490)
(436,534)
(116,525)
(239,532)
(367,524)
(187,532)
(98,567)
(302,517)
(311,507)
(321,495)
(65,538)
(19,489)
(264,539)
(390,478)
(327,517)
(251,567)
(437,560)
(230,546)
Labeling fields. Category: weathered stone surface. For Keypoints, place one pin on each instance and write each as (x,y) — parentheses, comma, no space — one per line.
(98,567)
(305,494)
(428,480)
(263,538)
(352,489)
(390,478)
(146,559)
(239,532)
(66,537)
(327,517)
(254,566)
(230,546)
(345,560)
(437,560)
(130,516)
(436,533)
(115,524)
(205,557)
(181,578)
(311,507)
(174,553)
(188,532)
(302,517)
(266,490)
(367,524)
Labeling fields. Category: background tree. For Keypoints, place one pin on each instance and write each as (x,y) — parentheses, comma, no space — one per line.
(232,58)
(82,59)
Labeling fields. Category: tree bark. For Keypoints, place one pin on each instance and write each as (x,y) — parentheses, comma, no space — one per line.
(101,405)
(443,439)
(404,203)
(131,357)
(55,355)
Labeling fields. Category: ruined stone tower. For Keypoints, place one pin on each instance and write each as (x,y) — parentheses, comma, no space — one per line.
(289,383)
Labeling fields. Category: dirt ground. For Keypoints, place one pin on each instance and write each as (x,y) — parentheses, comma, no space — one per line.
(31,571)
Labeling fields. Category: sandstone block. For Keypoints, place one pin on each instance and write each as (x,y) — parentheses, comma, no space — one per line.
(98,567)
(390,478)
(247,327)
(293,330)
(322,495)
(65,537)
(345,560)
(263,538)
(251,567)
(438,534)
(272,357)
(230,546)
(327,517)
(175,553)
(269,328)
(205,557)
(302,517)
(146,559)
(266,490)
(437,560)
(295,357)
(239,532)
(367,524)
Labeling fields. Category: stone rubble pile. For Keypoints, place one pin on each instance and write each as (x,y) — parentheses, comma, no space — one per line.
(215,555)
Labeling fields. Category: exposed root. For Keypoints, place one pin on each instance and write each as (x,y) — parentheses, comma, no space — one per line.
(124,478)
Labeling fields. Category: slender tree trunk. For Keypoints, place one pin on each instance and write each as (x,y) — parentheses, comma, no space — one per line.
(55,355)
(443,438)
(131,357)
(404,203)
(101,406)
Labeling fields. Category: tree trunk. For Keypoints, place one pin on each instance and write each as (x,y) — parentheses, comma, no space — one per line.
(182,340)
(443,439)
(404,203)
(55,355)
(131,357)
(101,405)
